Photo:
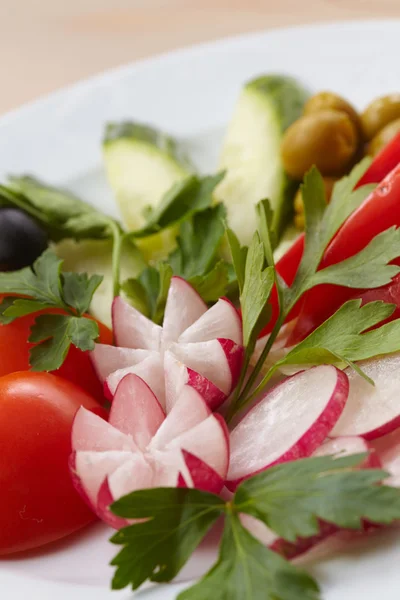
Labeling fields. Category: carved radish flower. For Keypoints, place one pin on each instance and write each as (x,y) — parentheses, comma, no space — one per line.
(140,447)
(196,346)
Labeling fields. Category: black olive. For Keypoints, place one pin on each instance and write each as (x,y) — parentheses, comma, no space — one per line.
(22,240)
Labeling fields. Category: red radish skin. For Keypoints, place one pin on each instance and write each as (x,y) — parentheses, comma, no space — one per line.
(203,476)
(372,411)
(345,446)
(213,396)
(104,500)
(269,433)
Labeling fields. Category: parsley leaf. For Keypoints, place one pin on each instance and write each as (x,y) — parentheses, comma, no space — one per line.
(239,255)
(247,570)
(148,292)
(256,290)
(290,498)
(369,268)
(322,222)
(54,334)
(184,199)
(345,336)
(62,214)
(178,519)
(45,287)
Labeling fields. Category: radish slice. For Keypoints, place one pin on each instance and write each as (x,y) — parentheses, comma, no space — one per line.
(202,475)
(136,411)
(91,468)
(104,500)
(184,306)
(91,432)
(388,448)
(177,375)
(221,321)
(209,441)
(210,360)
(290,422)
(107,359)
(188,411)
(132,329)
(151,370)
(345,446)
(372,411)
(133,474)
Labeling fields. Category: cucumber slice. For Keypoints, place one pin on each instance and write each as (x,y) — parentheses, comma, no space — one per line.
(251,153)
(93,257)
(142,164)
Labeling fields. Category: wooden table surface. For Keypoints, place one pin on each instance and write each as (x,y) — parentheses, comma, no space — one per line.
(46,44)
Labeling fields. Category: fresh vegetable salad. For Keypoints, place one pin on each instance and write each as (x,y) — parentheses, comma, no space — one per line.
(228,351)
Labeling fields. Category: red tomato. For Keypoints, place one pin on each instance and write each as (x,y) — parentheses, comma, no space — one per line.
(38,502)
(78,368)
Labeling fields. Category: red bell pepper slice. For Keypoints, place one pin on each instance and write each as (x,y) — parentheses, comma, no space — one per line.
(287,266)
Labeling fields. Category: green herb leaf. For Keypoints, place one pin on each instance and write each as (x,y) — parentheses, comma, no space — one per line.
(342,337)
(247,570)
(62,214)
(148,293)
(78,290)
(198,243)
(265,216)
(369,268)
(323,221)
(54,334)
(42,282)
(158,548)
(47,288)
(184,199)
(256,291)
(290,498)
(213,284)
(239,255)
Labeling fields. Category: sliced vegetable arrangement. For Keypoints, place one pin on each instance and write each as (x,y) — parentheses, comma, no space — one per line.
(232,387)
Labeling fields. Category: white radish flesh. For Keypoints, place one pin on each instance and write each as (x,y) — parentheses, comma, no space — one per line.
(188,411)
(91,432)
(107,359)
(136,411)
(372,410)
(290,422)
(346,446)
(151,370)
(209,441)
(91,468)
(388,449)
(209,359)
(184,306)
(132,329)
(221,321)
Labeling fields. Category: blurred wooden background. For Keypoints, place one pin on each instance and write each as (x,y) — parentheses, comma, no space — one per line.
(45,44)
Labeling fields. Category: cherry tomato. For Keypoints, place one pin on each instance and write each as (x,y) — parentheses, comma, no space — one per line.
(38,503)
(78,368)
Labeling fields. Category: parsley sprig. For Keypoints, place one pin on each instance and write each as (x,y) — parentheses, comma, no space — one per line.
(68,294)
(290,499)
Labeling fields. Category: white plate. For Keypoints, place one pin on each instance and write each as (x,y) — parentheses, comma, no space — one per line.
(189,93)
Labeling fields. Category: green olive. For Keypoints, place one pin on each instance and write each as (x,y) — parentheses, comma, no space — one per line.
(331,101)
(327,139)
(379,113)
(298,204)
(383,137)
